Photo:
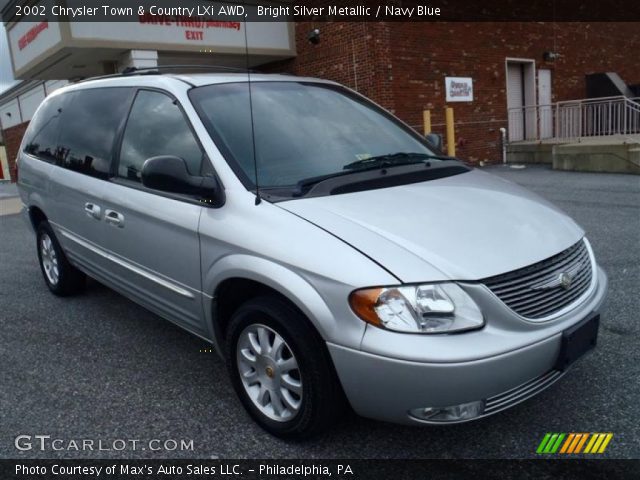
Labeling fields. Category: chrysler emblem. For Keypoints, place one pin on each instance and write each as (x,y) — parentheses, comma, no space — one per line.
(565,280)
(561,279)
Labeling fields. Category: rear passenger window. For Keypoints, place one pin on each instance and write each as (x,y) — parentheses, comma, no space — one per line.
(91,120)
(41,139)
(156,126)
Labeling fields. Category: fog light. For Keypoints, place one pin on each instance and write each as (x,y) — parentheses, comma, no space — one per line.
(454,413)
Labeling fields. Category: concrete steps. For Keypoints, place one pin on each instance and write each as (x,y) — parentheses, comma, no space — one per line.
(634,156)
(614,154)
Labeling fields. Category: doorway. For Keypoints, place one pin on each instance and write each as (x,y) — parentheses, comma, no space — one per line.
(544,102)
(521,99)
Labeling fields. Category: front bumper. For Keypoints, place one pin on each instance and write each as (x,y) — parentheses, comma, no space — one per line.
(387,388)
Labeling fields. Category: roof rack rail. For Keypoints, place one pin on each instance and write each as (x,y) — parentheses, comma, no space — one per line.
(222,68)
(129,71)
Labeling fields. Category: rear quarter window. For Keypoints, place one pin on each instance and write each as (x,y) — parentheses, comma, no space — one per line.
(41,139)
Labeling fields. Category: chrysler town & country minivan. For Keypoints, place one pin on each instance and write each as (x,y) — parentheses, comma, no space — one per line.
(332,255)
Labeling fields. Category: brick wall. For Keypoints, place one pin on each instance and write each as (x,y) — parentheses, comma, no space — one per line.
(402,66)
(355,54)
(12,138)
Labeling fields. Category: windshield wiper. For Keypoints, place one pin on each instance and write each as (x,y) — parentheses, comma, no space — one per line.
(393,159)
(372,163)
(305,183)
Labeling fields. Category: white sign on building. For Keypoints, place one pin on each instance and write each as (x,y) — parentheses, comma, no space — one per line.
(53,47)
(459,89)
(30,40)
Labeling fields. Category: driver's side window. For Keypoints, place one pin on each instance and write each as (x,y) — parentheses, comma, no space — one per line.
(156,126)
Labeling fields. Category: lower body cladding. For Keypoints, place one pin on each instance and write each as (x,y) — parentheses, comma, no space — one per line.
(418,392)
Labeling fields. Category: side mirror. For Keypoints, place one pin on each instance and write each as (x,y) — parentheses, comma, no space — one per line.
(168,173)
(434,140)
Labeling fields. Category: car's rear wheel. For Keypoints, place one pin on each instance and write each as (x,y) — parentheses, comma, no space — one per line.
(281,370)
(61,277)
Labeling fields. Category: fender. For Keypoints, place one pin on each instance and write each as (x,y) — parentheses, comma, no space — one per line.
(34,200)
(33,182)
(287,282)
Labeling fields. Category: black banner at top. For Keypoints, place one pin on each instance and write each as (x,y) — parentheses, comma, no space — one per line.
(163,11)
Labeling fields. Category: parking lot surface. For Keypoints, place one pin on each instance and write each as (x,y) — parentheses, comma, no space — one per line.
(99,367)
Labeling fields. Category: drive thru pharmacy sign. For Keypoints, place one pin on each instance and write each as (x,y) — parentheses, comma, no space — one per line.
(459,89)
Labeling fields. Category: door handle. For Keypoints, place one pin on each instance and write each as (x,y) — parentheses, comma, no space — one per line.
(92,210)
(114,218)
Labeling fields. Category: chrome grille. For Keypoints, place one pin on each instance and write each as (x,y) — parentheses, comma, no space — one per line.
(541,289)
(521,393)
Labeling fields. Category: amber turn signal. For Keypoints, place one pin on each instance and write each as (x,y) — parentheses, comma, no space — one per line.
(363,302)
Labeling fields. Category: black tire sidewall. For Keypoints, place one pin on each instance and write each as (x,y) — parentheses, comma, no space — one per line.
(303,341)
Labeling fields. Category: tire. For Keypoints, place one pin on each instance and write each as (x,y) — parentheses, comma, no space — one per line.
(320,401)
(61,277)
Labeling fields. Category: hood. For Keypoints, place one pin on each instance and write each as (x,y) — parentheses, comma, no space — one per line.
(465,227)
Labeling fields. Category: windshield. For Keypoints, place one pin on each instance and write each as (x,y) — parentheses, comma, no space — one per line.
(302,130)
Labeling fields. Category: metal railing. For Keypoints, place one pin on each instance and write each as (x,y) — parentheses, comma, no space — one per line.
(593,117)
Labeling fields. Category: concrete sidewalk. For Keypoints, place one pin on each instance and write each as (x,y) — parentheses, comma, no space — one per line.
(8,190)
(10,202)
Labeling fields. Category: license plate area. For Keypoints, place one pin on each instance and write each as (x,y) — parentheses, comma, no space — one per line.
(578,340)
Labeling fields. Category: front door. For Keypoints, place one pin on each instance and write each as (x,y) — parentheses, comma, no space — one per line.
(515,101)
(154,237)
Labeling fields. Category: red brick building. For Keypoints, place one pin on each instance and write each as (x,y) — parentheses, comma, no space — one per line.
(12,138)
(403,67)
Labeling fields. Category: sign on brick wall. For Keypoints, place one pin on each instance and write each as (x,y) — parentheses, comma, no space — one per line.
(459,89)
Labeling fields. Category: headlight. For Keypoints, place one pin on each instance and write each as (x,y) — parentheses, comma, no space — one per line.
(429,308)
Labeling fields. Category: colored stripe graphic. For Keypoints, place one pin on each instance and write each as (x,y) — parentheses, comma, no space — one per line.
(573,443)
(568,443)
(579,441)
(606,441)
(592,441)
(550,443)
(543,443)
(555,447)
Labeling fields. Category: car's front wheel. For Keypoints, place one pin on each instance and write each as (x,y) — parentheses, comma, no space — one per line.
(61,277)
(281,369)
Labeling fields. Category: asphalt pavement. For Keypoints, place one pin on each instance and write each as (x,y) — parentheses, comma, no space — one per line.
(99,367)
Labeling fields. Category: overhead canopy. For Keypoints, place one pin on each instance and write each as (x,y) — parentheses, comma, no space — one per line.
(52,49)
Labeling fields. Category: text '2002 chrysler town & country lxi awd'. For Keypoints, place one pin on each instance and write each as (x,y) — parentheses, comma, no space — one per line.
(366,269)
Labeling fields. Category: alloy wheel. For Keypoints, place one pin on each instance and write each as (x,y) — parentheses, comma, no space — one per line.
(49,259)
(269,372)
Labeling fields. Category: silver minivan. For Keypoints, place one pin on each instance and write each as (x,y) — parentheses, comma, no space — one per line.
(334,257)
